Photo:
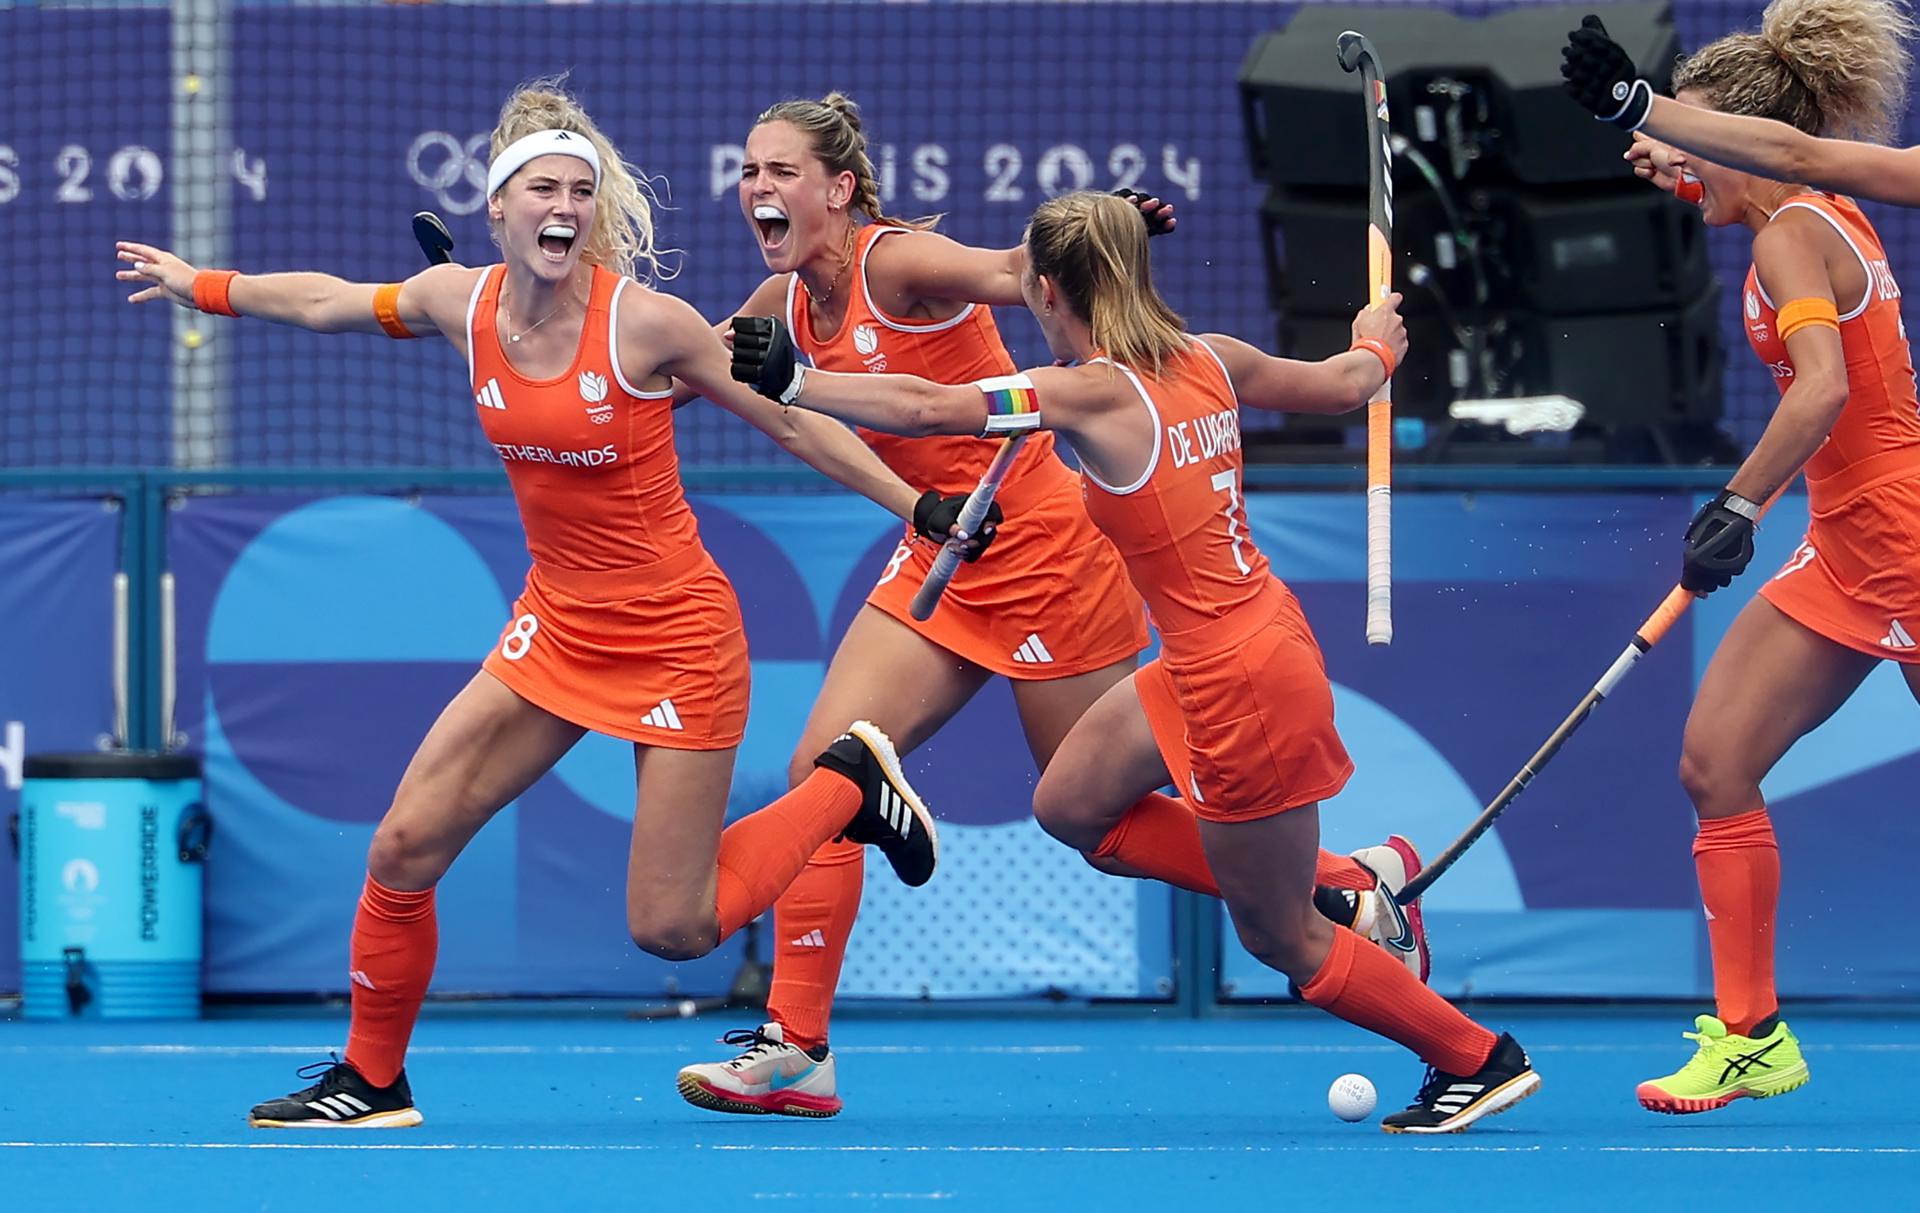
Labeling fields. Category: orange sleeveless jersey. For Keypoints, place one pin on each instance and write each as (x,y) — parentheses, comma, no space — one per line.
(1049,599)
(1856,577)
(1239,700)
(626,626)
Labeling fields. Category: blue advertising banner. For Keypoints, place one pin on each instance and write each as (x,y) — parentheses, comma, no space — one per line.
(1586,887)
(320,638)
(56,646)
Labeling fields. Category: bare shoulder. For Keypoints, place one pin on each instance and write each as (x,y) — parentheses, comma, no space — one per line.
(441,293)
(769,298)
(644,309)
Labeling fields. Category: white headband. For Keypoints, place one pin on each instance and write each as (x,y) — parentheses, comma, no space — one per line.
(541,143)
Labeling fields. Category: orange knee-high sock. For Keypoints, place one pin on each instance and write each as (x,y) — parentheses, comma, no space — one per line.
(1739,865)
(762,852)
(1342,872)
(1365,986)
(1160,838)
(396,939)
(812,922)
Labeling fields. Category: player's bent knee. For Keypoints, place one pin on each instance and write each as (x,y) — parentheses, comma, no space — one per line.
(401,859)
(674,938)
(1716,788)
(1066,819)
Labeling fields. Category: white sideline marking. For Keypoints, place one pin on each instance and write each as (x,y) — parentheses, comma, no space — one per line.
(1654,1044)
(1382,1143)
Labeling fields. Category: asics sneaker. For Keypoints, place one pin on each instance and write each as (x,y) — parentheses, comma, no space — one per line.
(1726,1067)
(341,1099)
(1448,1103)
(769,1076)
(892,816)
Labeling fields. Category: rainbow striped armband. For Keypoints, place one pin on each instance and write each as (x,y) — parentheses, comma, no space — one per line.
(1012,404)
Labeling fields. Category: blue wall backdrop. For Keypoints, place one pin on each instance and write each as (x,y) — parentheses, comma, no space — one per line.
(320,636)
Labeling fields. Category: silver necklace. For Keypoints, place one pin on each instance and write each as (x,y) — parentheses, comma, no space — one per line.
(515,337)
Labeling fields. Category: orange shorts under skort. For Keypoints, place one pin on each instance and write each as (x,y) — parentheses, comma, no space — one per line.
(1855,579)
(656,656)
(1049,599)
(1246,729)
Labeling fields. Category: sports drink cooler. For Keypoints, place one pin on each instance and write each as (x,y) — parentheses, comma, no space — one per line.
(111,848)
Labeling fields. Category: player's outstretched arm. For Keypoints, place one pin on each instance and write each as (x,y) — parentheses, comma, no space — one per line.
(320,302)
(1784,153)
(932,266)
(1602,78)
(764,359)
(688,349)
(1332,385)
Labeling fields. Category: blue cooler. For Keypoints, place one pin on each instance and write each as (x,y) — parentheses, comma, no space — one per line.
(111,847)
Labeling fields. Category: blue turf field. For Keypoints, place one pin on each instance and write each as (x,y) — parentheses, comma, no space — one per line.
(577,1112)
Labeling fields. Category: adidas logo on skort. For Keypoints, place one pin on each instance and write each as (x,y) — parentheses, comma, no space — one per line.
(1897,637)
(593,390)
(664,717)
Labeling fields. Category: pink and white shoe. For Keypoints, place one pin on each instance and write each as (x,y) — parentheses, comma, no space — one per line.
(1401,930)
(769,1076)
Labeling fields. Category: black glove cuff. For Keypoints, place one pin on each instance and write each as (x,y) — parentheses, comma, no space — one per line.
(1636,102)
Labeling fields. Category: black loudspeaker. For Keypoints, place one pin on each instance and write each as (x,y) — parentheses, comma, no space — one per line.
(1481,93)
(1622,248)
(1658,368)
(1628,248)
(1631,368)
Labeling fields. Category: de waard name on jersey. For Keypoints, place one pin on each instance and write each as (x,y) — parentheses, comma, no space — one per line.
(1204,437)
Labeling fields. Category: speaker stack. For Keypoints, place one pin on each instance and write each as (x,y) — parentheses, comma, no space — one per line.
(1532,261)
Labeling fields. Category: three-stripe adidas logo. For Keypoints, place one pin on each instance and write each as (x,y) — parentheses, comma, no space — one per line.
(894,810)
(489,397)
(1458,1096)
(339,1107)
(1032,651)
(1897,637)
(664,717)
(812,939)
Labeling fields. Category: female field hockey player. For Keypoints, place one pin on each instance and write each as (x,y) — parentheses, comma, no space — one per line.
(1823,314)
(1050,610)
(1779,142)
(1237,712)
(626,626)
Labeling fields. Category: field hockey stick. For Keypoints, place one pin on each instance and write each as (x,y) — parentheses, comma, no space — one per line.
(436,242)
(1678,599)
(1357,54)
(971,514)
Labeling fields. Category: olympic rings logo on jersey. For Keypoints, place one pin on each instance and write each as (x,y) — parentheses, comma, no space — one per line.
(440,163)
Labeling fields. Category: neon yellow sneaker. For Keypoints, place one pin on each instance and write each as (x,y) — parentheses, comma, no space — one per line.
(1727,1067)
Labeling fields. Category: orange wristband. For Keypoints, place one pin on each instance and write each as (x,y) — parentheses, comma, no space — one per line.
(1376,347)
(1792,317)
(386,309)
(210,290)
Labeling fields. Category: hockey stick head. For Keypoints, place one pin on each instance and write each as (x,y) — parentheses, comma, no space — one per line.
(436,242)
(1352,46)
(1523,414)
